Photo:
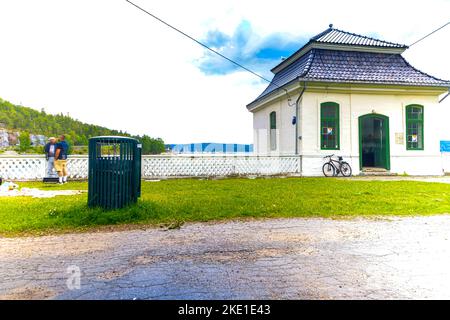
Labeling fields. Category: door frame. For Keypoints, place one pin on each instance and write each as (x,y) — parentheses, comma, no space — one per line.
(386,121)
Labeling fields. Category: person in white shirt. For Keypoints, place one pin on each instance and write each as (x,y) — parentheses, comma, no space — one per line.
(50,150)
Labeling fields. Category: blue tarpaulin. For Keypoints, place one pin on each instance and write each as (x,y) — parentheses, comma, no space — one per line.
(445,146)
(210,148)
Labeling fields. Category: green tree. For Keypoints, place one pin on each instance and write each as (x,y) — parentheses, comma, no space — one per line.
(39,122)
(151,145)
(25,141)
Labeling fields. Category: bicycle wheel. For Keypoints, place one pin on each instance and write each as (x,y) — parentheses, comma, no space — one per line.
(328,170)
(346,170)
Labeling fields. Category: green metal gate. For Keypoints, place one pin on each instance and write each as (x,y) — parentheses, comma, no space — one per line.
(114,172)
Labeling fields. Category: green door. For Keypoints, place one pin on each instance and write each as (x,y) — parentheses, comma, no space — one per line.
(374,141)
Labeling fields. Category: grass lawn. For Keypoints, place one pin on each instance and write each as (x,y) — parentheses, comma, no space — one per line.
(173,202)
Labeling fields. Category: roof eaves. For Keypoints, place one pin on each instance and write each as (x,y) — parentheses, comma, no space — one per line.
(259,99)
(379,82)
(267,95)
(442,84)
(446,82)
(303,74)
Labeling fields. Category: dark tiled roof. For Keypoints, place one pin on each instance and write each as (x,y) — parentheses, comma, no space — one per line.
(352,67)
(336,36)
(332,36)
(367,67)
(290,73)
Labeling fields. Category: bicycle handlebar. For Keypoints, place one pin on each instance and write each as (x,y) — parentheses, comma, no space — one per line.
(331,155)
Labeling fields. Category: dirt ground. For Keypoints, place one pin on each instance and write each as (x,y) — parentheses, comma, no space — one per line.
(315,258)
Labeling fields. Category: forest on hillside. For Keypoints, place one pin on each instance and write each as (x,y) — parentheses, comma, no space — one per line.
(31,121)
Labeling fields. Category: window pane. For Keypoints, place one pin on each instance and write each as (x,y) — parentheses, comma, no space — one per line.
(328,142)
(273,139)
(414,112)
(329,126)
(273,120)
(273,131)
(420,136)
(328,134)
(329,111)
(414,127)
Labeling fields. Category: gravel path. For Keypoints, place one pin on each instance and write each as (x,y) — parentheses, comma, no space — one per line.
(264,259)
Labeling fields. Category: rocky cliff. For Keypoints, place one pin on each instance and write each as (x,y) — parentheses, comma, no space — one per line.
(10,138)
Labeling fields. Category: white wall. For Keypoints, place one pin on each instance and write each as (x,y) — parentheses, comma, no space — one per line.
(285,129)
(352,106)
(444,107)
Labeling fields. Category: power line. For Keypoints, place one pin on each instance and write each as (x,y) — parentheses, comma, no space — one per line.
(429,34)
(240,65)
(417,41)
(204,45)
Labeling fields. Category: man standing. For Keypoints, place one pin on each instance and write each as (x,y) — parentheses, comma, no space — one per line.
(62,148)
(50,149)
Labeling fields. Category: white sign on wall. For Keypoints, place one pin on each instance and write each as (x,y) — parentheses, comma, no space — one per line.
(399,138)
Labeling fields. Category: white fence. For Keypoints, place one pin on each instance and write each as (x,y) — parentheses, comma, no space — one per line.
(34,167)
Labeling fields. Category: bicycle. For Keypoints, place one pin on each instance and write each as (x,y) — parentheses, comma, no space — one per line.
(333,167)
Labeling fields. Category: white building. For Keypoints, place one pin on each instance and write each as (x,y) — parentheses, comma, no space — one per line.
(356,97)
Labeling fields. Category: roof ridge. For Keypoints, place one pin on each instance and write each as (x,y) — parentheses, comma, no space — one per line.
(424,73)
(367,37)
(321,34)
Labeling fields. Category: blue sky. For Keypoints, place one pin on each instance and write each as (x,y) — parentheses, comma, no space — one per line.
(247,47)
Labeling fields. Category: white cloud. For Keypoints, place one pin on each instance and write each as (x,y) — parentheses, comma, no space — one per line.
(105,62)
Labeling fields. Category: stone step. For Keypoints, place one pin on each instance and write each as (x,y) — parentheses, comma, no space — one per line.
(372,169)
(376,172)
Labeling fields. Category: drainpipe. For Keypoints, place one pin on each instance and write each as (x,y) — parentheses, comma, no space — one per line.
(297,103)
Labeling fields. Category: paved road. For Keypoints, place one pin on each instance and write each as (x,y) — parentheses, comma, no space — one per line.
(264,259)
